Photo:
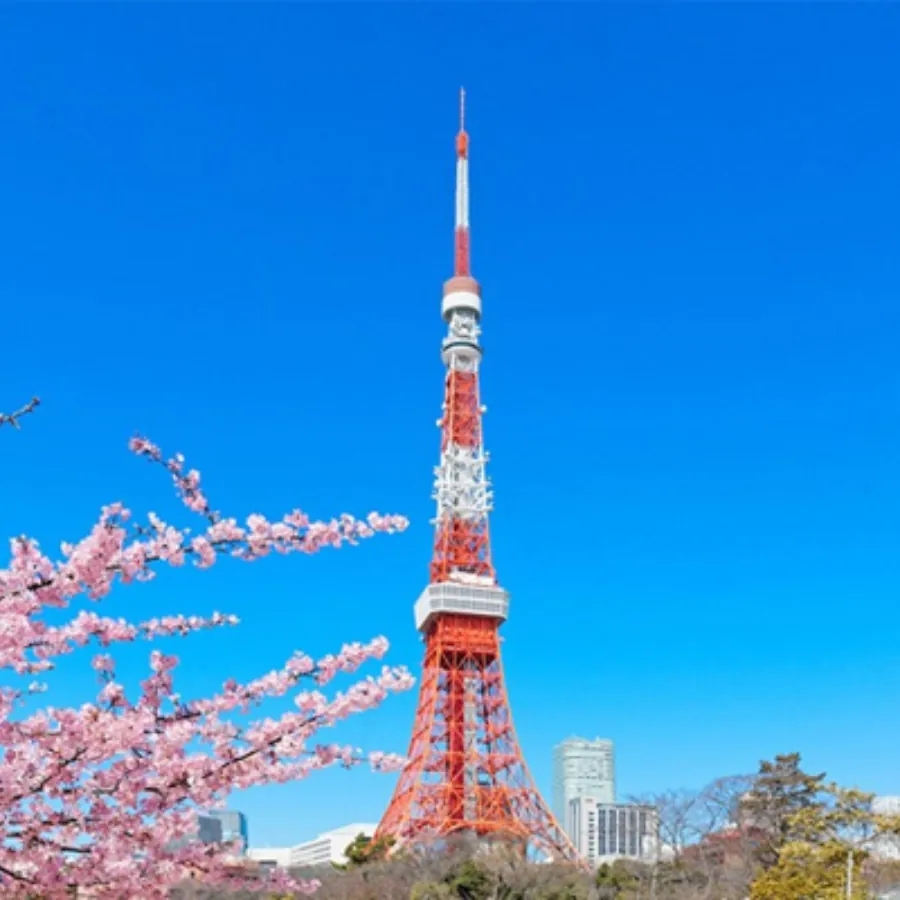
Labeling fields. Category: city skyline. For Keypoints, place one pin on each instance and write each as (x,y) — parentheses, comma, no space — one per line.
(690,260)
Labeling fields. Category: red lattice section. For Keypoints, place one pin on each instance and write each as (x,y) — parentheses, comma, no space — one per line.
(461,423)
(463,547)
(465,771)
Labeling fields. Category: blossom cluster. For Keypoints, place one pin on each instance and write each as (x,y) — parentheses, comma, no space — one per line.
(101,797)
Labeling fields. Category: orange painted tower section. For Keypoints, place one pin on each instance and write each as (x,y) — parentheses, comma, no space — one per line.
(465,771)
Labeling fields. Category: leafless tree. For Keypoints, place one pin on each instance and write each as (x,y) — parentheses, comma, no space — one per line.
(704,850)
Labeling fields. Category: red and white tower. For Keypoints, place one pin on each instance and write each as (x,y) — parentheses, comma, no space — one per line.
(465,771)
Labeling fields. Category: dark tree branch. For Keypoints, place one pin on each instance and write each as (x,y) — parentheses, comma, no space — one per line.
(13,417)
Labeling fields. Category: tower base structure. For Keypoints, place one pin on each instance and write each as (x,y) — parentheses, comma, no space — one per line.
(465,772)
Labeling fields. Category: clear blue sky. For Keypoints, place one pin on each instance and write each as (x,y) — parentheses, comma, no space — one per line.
(227,225)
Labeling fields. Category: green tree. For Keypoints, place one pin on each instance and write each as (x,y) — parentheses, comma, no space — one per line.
(828,844)
(807,871)
(363,850)
(471,882)
(615,882)
(780,791)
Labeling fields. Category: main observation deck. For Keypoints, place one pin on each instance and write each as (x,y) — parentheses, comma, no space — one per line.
(487,600)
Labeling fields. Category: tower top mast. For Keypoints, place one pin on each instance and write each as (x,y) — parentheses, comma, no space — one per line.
(462,139)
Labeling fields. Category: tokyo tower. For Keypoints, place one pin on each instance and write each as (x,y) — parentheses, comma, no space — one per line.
(465,772)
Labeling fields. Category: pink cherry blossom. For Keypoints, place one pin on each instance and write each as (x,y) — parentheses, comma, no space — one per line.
(98,798)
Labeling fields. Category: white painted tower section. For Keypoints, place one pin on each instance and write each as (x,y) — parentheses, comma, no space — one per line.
(462,192)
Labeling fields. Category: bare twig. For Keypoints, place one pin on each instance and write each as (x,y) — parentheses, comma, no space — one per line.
(13,417)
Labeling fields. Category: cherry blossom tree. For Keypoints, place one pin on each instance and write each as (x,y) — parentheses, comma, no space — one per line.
(97,799)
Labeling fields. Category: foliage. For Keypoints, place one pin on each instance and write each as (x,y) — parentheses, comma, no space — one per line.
(94,797)
(616,881)
(363,850)
(780,792)
(820,835)
(471,881)
(808,871)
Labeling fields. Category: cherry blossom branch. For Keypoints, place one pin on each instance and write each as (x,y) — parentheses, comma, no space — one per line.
(13,417)
(145,770)
(96,796)
(115,550)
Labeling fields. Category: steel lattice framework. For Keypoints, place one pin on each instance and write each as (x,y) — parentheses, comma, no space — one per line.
(465,770)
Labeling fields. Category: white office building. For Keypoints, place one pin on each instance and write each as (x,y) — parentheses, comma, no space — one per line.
(582,768)
(325,849)
(270,857)
(604,832)
(329,847)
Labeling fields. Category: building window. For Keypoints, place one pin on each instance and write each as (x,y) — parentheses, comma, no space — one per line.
(602,832)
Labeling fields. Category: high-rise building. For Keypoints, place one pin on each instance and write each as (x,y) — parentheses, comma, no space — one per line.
(582,768)
(604,832)
(233,824)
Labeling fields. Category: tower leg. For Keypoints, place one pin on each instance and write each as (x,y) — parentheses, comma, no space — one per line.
(465,770)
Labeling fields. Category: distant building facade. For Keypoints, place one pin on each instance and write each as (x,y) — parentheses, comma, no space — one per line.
(604,832)
(582,768)
(208,831)
(234,826)
(329,847)
(323,850)
(270,857)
